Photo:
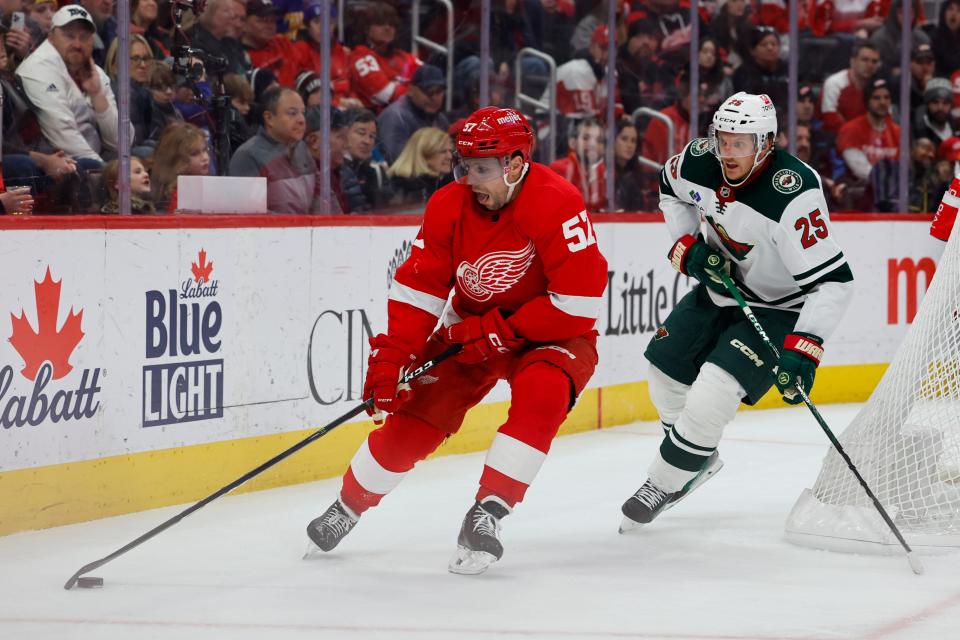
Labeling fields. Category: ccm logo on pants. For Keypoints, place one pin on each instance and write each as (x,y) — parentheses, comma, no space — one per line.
(747,351)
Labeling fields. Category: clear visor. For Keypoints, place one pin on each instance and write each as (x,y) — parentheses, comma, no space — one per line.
(733,145)
(479,170)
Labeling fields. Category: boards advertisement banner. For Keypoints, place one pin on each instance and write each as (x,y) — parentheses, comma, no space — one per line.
(127,339)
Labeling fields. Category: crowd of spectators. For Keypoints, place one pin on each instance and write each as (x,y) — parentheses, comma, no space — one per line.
(391,131)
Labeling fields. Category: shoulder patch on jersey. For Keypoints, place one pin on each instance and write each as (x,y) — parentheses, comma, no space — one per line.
(784,180)
(699,146)
(787,181)
(699,166)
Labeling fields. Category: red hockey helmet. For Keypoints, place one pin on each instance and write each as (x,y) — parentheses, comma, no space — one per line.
(495,131)
(488,141)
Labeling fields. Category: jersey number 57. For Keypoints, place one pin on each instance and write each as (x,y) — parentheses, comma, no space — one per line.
(579,232)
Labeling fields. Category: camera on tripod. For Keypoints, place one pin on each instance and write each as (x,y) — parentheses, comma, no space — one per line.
(194,65)
(191,63)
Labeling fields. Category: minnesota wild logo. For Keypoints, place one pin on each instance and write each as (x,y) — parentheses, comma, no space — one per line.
(739,250)
(700,146)
(787,181)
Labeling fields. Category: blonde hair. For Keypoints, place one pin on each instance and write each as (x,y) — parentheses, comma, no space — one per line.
(172,156)
(412,161)
(113,52)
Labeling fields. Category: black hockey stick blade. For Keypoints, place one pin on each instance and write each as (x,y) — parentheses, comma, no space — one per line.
(319,433)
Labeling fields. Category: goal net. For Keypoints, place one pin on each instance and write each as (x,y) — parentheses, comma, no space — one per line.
(905,442)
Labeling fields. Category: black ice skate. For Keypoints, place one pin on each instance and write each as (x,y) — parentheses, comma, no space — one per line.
(635,508)
(644,505)
(478,545)
(329,529)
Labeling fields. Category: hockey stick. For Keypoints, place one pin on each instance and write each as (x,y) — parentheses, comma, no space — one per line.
(731,286)
(319,433)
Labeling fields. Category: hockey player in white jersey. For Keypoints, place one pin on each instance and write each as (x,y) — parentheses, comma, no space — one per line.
(735,202)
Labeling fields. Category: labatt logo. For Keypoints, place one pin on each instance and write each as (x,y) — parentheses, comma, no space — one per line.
(46,352)
(184,323)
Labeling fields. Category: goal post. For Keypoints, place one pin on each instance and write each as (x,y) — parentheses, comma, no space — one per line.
(905,441)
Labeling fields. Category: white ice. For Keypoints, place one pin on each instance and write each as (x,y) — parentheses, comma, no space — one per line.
(716,567)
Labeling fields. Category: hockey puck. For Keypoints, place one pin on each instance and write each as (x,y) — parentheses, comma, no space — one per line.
(89,582)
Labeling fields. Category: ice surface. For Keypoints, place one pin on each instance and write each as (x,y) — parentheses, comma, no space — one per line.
(716,567)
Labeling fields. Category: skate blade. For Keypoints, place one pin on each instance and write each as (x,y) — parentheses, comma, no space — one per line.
(467,562)
(628,525)
(697,482)
(312,551)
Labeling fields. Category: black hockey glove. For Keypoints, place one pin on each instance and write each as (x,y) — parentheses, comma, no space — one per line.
(798,363)
(693,257)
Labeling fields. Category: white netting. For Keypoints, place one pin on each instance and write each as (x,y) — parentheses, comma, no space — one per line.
(905,441)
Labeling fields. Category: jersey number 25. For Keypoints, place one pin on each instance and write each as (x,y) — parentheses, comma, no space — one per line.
(579,232)
(803,225)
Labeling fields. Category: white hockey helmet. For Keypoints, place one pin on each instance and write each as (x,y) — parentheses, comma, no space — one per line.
(745,113)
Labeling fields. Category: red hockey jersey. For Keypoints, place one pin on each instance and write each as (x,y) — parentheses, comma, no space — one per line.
(339,68)
(378,80)
(536,258)
(876,145)
(281,57)
(591,183)
(946,215)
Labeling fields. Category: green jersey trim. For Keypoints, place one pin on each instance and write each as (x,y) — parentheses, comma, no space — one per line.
(823,265)
(783,180)
(840,274)
(665,188)
(700,166)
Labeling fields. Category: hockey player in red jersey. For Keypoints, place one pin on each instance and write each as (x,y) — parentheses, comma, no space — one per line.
(514,242)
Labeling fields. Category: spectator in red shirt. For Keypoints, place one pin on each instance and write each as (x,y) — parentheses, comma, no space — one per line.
(266,49)
(580,90)
(872,137)
(379,70)
(860,17)
(842,98)
(654,145)
(949,151)
(308,46)
(584,166)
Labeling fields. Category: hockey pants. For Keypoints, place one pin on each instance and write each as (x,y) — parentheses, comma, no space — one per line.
(540,400)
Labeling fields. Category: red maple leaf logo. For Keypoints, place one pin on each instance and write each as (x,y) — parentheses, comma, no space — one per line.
(46,344)
(201,271)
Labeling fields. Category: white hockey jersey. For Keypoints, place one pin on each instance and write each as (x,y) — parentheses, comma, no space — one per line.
(775,231)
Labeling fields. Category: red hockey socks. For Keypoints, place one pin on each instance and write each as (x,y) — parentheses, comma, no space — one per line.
(540,399)
(384,459)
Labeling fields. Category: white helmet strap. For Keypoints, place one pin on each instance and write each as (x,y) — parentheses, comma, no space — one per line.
(513,185)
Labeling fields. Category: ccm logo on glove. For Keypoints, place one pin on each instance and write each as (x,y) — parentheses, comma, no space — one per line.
(482,337)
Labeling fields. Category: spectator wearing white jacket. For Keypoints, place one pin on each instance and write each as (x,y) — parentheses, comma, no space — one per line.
(74,104)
